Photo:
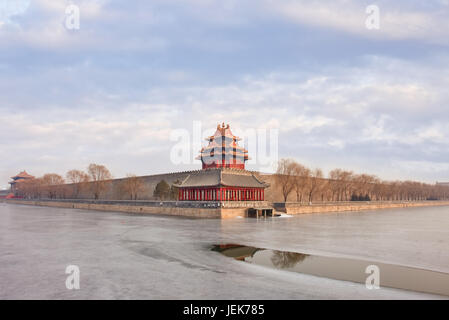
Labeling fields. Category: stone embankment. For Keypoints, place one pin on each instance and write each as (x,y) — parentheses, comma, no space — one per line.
(294,208)
(218,210)
(194,209)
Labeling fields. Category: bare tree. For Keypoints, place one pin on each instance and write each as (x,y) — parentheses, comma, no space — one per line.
(78,179)
(99,176)
(51,183)
(315,182)
(284,177)
(132,185)
(301,180)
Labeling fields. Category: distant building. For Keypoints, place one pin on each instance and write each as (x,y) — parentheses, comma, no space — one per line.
(20,177)
(223,177)
(3,193)
(444,184)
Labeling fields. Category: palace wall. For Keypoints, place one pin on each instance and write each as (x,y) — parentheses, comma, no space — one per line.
(114,188)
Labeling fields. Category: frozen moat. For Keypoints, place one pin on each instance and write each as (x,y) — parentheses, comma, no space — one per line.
(122,256)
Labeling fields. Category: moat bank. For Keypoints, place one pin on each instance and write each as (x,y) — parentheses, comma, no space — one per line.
(297,208)
(217,210)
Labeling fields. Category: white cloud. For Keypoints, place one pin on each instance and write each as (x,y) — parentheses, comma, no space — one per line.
(349,16)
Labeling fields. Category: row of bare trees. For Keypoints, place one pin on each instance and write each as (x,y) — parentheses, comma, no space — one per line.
(341,185)
(94,183)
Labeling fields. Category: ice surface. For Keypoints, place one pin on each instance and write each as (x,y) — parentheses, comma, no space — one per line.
(123,256)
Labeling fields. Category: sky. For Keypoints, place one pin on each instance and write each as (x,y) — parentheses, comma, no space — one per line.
(113,91)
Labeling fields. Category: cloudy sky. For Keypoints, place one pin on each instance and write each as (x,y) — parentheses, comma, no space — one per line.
(113,91)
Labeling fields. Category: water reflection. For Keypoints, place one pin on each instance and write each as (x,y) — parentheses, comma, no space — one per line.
(236,251)
(393,276)
(283,260)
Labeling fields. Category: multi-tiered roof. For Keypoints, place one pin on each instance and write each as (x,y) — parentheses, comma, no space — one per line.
(223,150)
(22,175)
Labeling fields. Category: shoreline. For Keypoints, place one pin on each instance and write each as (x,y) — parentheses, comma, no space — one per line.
(297,209)
(216,210)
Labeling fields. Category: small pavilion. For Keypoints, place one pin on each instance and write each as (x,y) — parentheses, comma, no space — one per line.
(18,178)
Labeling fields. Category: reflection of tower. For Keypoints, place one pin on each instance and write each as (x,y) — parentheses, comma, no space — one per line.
(223,150)
(236,251)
